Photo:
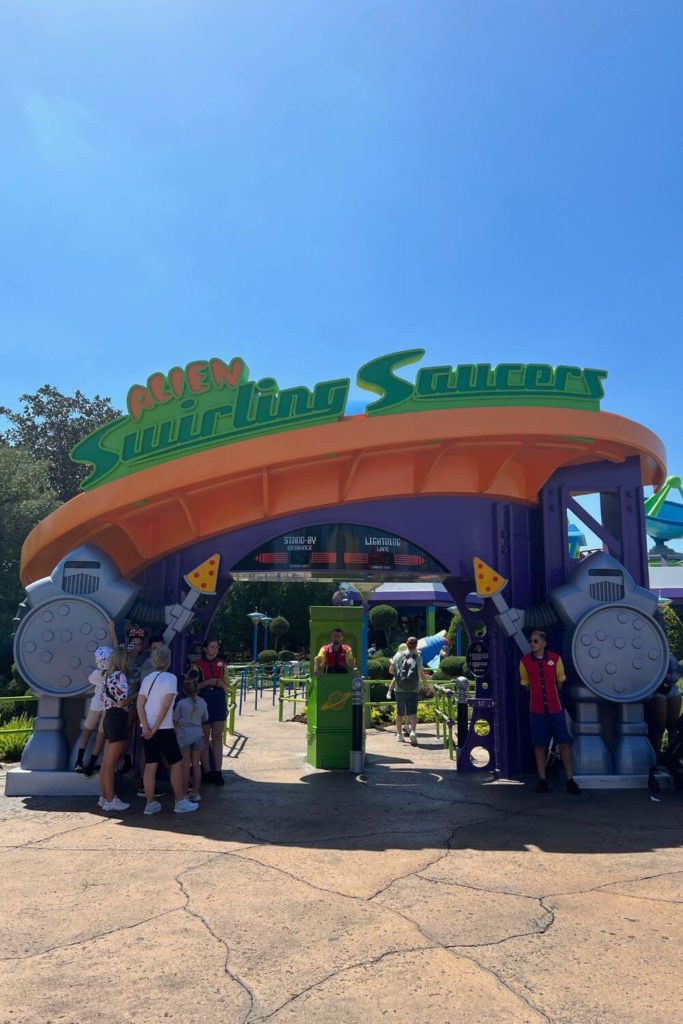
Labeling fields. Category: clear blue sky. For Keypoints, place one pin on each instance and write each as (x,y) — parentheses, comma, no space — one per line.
(310,183)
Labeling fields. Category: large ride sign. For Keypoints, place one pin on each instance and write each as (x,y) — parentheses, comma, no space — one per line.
(340,551)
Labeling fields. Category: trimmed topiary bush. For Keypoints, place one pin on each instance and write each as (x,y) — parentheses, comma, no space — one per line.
(383,618)
(674,630)
(377,692)
(378,668)
(287,656)
(267,657)
(453,666)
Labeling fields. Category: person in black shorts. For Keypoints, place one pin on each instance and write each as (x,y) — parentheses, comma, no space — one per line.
(158,691)
(115,700)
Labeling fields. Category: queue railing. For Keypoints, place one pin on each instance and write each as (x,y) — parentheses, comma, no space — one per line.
(296,688)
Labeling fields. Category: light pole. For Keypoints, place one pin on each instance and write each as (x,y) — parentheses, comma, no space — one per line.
(366,590)
(255,617)
(265,622)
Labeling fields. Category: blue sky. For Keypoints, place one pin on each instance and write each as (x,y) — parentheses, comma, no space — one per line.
(312,183)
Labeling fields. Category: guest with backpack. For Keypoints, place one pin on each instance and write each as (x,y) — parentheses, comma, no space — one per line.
(407,672)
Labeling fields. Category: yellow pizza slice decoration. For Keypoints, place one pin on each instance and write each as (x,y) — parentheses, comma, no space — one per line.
(488,581)
(204,577)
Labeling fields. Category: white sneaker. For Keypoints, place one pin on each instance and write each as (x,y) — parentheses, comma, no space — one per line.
(399,737)
(194,797)
(115,805)
(413,739)
(185,806)
(152,808)
(101,801)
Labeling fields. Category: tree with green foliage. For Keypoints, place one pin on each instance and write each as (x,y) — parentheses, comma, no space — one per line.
(291,599)
(50,425)
(384,618)
(26,498)
(279,627)
(267,657)
(454,666)
(674,631)
(378,668)
(457,622)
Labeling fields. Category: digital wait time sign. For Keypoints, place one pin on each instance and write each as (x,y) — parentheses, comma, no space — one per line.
(339,551)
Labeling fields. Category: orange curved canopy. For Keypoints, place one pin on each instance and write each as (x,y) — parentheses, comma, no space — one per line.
(506,453)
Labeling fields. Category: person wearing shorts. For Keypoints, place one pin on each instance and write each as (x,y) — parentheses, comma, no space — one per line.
(157,693)
(94,720)
(407,672)
(543,673)
(213,689)
(191,717)
(115,699)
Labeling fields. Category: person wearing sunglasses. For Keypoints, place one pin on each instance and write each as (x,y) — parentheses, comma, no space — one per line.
(543,673)
(335,658)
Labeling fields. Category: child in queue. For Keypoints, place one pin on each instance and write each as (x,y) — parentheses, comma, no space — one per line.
(191,717)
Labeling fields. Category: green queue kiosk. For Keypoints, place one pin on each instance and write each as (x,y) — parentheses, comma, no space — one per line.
(330,698)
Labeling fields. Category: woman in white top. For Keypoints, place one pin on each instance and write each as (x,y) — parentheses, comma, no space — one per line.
(94,720)
(158,691)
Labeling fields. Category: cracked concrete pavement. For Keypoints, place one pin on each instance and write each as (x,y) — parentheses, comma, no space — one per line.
(296,895)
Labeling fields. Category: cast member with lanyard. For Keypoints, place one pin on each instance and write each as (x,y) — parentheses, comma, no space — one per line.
(543,673)
(213,689)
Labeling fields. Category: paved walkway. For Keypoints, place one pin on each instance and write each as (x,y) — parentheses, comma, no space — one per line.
(303,896)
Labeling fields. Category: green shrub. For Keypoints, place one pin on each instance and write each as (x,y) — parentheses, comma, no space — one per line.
(12,743)
(425,713)
(378,668)
(287,656)
(11,708)
(382,716)
(14,685)
(674,630)
(457,622)
(267,657)
(453,666)
(279,626)
(377,691)
(383,618)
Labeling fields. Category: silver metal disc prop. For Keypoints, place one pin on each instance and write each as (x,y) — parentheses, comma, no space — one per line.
(55,644)
(619,653)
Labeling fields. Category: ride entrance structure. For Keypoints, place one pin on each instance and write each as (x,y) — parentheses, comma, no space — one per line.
(212,471)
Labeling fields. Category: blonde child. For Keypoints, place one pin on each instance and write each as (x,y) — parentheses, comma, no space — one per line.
(191,716)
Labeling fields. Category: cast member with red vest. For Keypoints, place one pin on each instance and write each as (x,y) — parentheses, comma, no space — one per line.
(335,657)
(543,672)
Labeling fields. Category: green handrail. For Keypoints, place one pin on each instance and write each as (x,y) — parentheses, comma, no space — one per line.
(291,698)
(232,705)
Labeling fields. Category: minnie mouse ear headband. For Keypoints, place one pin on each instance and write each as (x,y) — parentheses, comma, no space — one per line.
(136,632)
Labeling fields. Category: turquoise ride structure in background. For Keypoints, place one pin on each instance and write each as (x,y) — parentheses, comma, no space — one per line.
(664,518)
